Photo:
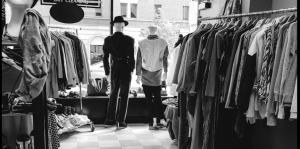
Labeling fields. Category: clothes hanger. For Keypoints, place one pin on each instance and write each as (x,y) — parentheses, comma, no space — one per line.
(259,22)
(202,26)
(255,20)
(208,26)
(295,19)
(284,20)
(237,24)
(249,22)
(291,18)
(263,21)
(230,24)
(269,20)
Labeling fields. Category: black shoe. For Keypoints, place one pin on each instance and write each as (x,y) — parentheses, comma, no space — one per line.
(121,125)
(109,123)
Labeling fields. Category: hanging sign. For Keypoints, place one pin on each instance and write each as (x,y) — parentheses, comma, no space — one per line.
(81,3)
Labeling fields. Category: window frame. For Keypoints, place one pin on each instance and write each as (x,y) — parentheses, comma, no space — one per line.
(185,13)
(126,10)
(129,10)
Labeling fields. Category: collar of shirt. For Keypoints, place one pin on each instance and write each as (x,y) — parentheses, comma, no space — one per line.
(118,33)
(152,37)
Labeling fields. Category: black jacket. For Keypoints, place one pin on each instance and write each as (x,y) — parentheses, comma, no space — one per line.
(121,48)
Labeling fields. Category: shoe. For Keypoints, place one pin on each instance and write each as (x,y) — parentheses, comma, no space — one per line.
(109,124)
(121,125)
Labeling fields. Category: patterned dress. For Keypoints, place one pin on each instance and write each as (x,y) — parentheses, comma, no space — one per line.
(53,138)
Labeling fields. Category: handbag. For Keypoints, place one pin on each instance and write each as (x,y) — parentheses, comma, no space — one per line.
(97,87)
(23,142)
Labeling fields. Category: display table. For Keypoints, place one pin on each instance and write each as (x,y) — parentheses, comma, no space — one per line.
(95,108)
(14,124)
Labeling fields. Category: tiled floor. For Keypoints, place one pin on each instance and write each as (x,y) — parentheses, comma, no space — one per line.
(135,136)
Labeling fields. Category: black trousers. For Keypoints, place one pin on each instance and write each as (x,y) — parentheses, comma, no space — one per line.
(156,109)
(118,88)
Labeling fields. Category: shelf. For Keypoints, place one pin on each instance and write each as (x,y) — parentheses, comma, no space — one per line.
(16,114)
(106,97)
(9,43)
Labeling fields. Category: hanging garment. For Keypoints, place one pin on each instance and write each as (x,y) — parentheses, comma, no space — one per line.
(78,55)
(289,70)
(271,105)
(35,67)
(294,104)
(191,55)
(175,78)
(86,67)
(171,70)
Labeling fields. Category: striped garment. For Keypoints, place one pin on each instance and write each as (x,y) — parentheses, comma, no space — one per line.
(265,79)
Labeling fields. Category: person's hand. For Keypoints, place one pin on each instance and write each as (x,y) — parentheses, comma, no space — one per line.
(138,79)
(164,77)
(21,98)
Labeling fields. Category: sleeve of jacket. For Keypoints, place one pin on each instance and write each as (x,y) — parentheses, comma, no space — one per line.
(105,59)
(131,54)
(36,45)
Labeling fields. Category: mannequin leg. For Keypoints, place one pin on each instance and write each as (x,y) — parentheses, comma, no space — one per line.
(158,105)
(154,122)
(149,96)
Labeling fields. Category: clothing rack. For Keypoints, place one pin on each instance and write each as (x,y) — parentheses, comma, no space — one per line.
(80,84)
(76,30)
(250,14)
(65,27)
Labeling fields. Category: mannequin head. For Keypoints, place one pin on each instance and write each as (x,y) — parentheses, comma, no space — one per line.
(20,3)
(152,30)
(18,8)
(119,26)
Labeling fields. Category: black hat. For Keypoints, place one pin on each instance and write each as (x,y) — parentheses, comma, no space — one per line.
(34,3)
(119,19)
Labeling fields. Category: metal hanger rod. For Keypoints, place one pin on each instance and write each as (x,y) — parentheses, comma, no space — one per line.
(250,14)
(63,27)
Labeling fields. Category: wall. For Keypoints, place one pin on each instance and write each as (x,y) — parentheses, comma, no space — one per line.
(257,5)
(279,4)
(213,11)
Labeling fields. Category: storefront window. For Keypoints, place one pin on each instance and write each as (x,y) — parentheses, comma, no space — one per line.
(185,12)
(133,10)
(96,53)
(98,12)
(123,9)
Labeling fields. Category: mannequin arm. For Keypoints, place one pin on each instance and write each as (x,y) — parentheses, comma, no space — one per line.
(165,60)
(139,63)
